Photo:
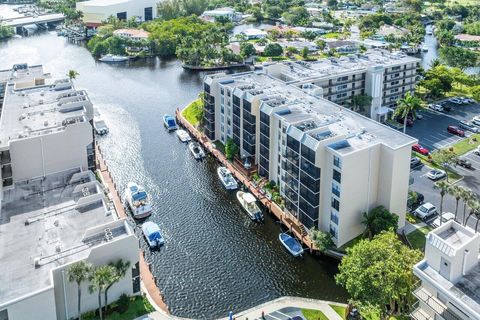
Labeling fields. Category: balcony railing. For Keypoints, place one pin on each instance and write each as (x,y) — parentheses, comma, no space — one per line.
(434,304)
(419,314)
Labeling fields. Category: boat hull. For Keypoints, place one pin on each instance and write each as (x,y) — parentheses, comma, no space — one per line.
(255,215)
(232,185)
(291,244)
(168,126)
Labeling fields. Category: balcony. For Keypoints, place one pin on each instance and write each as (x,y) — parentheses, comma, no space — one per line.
(419,314)
(434,304)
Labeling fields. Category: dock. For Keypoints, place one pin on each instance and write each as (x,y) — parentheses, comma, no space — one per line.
(286,218)
(148,279)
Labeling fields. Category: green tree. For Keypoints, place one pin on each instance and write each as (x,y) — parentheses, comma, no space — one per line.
(100,278)
(456,192)
(444,158)
(273,50)
(231,149)
(6,31)
(360,102)
(169,9)
(296,16)
(72,74)
(379,219)
(322,240)
(305,52)
(468,198)
(459,57)
(247,50)
(409,105)
(443,188)
(79,272)
(120,268)
(274,12)
(379,272)
(321,44)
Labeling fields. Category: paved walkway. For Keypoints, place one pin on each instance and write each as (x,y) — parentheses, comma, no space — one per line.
(271,307)
(410,227)
(148,280)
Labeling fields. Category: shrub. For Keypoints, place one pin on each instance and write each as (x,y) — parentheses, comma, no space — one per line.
(123,303)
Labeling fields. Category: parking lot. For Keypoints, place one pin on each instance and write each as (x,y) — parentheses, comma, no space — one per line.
(431,131)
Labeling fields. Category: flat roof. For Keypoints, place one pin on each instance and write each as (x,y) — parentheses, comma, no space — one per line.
(102,3)
(30,109)
(22,72)
(46,223)
(359,131)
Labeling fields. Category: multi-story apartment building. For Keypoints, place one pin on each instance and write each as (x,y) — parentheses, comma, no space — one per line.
(449,275)
(383,76)
(331,164)
(53,211)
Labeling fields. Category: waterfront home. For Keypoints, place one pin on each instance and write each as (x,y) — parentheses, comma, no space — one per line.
(449,274)
(341,46)
(226,12)
(95,12)
(467,40)
(392,31)
(253,34)
(299,45)
(132,34)
(330,163)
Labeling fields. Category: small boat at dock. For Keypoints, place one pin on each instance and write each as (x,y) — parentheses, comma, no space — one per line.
(197,150)
(169,122)
(291,244)
(425,48)
(249,203)
(152,234)
(137,200)
(110,58)
(183,135)
(227,178)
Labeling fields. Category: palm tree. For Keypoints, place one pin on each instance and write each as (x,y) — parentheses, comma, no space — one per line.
(456,192)
(72,74)
(406,106)
(121,269)
(474,211)
(467,197)
(444,188)
(79,272)
(368,220)
(100,278)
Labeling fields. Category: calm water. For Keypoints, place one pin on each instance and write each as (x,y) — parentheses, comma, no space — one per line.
(215,259)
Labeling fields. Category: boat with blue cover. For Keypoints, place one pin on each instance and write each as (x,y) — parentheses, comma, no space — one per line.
(291,244)
(137,200)
(152,234)
(169,122)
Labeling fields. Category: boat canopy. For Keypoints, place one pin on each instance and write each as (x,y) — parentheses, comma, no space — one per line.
(291,242)
(139,196)
(249,198)
(152,231)
(133,188)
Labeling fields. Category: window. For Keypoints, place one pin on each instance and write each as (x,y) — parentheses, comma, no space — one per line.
(148,14)
(337,176)
(337,162)
(122,15)
(247,105)
(334,218)
(342,87)
(342,79)
(396,68)
(308,153)
(335,204)
(333,232)
(341,95)
(336,189)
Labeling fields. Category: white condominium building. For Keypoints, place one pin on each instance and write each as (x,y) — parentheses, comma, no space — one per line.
(330,163)
(53,211)
(383,76)
(449,275)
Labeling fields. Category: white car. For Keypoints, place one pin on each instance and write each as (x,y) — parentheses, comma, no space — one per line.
(436,174)
(455,101)
(476,120)
(425,211)
(414,161)
(435,107)
(446,216)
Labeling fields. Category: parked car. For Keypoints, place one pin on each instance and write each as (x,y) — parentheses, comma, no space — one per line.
(446,108)
(455,101)
(464,163)
(414,200)
(446,216)
(422,150)
(477,151)
(401,120)
(476,120)
(414,161)
(435,107)
(436,174)
(456,130)
(466,100)
(425,211)
(467,125)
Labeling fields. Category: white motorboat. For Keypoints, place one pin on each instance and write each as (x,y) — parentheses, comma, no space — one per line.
(100,127)
(227,178)
(249,203)
(291,244)
(183,135)
(137,200)
(152,234)
(425,48)
(113,58)
(197,150)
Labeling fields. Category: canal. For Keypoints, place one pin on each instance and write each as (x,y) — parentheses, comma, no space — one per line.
(215,259)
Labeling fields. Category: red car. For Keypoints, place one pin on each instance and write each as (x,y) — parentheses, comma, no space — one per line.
(418,148)
(455,130)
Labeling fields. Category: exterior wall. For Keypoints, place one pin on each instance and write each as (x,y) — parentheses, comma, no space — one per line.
(95,12)
(46,154)
(125,249)
(37,306)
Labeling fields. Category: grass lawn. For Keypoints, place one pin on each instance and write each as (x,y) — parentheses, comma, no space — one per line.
(417,237)
(310,314)
(138,306)
(452,175)
(342,311)
(194,112)
(350,243)
(466,144)
(461,2)
(331,35)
